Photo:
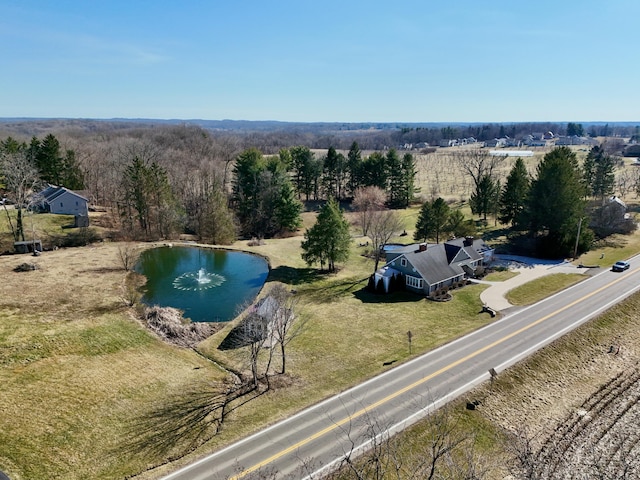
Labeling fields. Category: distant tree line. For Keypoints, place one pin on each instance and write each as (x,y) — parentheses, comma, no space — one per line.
(270,137)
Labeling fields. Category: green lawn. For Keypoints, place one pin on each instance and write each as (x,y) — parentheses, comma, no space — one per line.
(501,276)
(540,288)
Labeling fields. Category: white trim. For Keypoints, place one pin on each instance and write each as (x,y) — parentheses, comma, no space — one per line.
(414,282)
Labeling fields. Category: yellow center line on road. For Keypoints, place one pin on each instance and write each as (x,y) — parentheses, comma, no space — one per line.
(390,397)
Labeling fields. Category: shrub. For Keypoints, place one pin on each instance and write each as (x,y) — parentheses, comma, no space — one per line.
(169,324)
(371,285)
(255,242)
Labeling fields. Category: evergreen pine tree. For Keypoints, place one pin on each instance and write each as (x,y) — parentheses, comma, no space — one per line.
(328,241)
(556,204)
(513,197)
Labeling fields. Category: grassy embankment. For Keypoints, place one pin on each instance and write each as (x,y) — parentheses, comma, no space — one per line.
(79,372)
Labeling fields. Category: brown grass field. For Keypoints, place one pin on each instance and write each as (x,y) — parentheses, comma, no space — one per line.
(80,374)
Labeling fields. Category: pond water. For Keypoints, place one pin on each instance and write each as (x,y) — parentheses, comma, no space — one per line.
(208,285)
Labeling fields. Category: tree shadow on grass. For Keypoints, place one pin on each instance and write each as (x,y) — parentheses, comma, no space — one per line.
(498,233)
(332,289)
(294,276)
(181,423)
(367,296)
(177,426)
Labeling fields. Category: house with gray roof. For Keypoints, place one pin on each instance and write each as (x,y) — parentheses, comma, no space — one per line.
(63,201)
(425,268)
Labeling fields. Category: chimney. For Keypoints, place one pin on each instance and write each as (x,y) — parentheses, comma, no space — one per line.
(422,247)
(468,241)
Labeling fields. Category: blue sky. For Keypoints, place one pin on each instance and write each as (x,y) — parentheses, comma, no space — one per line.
(333,61)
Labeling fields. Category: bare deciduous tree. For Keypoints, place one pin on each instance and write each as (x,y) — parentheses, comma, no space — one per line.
(128,255)
(22,181)
(384,224)
(443,449)
(253,335)
(477,163)
(367,200)
(285,324)
(131,289)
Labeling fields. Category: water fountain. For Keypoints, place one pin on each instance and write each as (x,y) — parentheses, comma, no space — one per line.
(200,280)
(206,284)
(202,276)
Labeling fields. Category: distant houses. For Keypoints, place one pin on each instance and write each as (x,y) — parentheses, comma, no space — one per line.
(457,142)
(576,140)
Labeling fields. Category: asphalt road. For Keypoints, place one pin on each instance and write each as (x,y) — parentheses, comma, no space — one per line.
(320,436)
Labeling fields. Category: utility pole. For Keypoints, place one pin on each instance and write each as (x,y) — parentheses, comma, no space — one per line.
(575,250)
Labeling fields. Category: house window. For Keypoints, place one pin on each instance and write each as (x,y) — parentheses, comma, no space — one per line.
(403,262)
(413,282)
(61,204)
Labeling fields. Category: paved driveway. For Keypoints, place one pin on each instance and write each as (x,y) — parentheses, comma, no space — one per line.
(528,269)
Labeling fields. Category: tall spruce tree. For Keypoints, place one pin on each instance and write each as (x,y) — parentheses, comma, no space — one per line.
(305,171)
(263,196)
(333,174)
(147,200)
(556,204)
(425,226)
(54,167)
(401,177)
(513,197)
(409,173)
(599,173)
(328,241)
(395,178)
(459,226)
(354,169)
(432,220)
(484,199)
(374,171)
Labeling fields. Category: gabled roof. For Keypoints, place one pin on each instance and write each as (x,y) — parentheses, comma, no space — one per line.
(459,254)
(52,192)
(432,264)
(477,245)
(441,261)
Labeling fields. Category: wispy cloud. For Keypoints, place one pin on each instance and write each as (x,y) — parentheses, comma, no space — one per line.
(80,47)
(117,51)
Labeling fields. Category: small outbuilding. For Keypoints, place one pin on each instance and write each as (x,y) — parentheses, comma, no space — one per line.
(27,246)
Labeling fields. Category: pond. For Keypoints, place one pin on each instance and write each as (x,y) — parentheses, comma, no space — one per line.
(207,285)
